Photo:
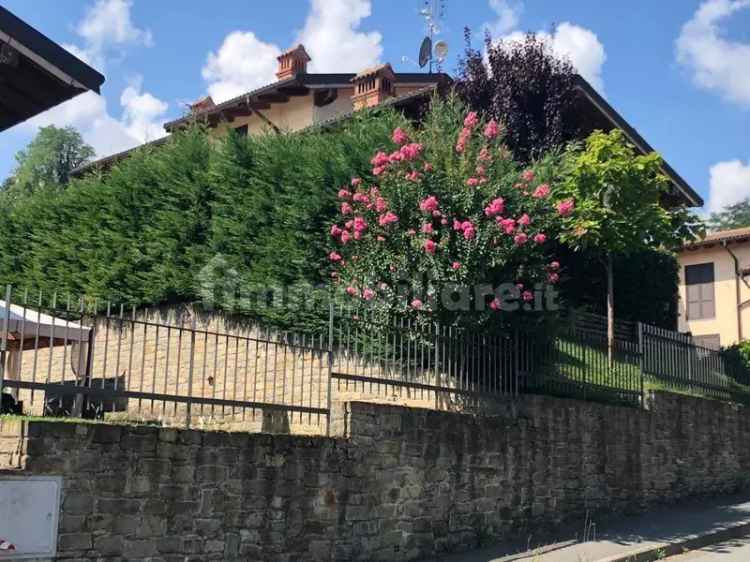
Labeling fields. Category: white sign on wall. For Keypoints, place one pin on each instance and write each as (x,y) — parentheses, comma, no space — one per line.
(29,510)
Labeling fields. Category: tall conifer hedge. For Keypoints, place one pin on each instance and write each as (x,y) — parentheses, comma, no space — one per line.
(176,223)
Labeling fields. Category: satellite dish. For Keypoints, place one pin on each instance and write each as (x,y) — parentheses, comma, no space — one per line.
(441,50)
(425,52)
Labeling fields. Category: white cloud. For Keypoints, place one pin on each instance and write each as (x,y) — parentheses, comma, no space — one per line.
(88,113)
(242,63)
(729,184)
(143,114)
(141,121)
(716,63)
(331,35)
(579,45)
(107,25)
(508,17)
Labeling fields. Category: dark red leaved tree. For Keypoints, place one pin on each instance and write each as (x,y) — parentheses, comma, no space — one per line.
(526,87)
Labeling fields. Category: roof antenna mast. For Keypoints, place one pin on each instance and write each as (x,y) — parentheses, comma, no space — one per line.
(433,13)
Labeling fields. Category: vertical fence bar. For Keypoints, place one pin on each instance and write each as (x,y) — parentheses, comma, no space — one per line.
(329,400)
(191,365)
(641,360)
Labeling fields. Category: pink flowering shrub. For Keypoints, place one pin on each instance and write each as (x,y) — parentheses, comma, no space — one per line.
(446,206)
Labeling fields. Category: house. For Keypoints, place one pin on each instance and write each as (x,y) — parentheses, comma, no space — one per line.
(714,288)
(299,100)
(36,73)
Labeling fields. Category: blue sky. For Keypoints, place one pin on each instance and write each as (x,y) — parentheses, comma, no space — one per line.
(677,70)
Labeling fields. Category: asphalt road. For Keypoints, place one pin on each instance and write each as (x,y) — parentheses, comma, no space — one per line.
(737,550)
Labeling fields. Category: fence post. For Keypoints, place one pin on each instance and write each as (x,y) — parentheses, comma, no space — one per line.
(190,369)
(516,364)
(330,365)
(80,398)
(436,366)
(641,356)
(4,338)
(81,378)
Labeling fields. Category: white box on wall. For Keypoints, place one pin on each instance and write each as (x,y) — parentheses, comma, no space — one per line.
(29,513)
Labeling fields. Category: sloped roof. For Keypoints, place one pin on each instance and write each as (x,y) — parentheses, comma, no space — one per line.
(36,73)
(719,237)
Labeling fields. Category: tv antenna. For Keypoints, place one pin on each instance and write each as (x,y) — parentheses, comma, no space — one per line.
(431,53)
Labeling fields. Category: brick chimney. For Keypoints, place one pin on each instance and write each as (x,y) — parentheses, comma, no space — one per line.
(292,62)
(373,85)
(202,104)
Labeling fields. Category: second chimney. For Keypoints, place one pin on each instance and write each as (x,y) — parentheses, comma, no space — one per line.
(373,86)
(292,62)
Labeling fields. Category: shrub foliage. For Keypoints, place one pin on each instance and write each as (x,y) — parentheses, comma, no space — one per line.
(449,211)
(160,225)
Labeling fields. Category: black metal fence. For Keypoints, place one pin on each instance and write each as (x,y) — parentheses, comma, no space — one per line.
(672,360)
(68,358)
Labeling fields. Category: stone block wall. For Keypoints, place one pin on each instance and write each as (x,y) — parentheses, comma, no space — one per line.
(401,484)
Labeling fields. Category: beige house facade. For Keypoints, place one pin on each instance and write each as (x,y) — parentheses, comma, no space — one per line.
(714,288)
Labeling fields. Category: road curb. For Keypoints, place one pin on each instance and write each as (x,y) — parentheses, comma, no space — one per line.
(658,552)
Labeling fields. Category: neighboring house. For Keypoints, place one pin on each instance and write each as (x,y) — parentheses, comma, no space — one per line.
(36,73)
(299,100)
(714,288)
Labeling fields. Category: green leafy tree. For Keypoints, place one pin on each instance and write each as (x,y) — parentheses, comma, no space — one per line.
(48,159)
(731,216)
(610,200)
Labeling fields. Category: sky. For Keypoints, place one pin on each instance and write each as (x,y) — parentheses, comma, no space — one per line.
(677,70)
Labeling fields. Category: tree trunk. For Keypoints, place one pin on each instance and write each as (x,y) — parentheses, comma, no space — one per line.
(610,310)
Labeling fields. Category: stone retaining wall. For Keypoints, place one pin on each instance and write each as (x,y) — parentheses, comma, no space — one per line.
(402,484)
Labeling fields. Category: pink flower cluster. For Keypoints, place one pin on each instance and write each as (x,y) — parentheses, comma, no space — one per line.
(496,207)
(507,225)
(387,218)
(407,153)
(471,121)
(430,246)
(491,130)
(429,204)
(359,225)
(466,227)
(566,207)
(542,191)
(399,136)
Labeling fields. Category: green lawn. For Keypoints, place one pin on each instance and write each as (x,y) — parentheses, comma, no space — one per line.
(580,365)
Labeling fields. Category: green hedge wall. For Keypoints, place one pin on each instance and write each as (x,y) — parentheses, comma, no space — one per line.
(195,218)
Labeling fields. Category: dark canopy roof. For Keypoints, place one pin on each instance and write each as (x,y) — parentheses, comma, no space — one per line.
(36,73)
